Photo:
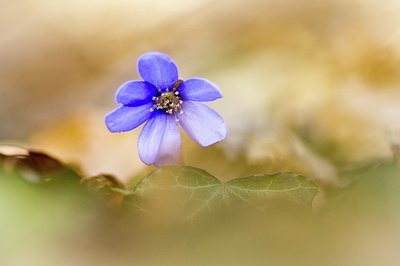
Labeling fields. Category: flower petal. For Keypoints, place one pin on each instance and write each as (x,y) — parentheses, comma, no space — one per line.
(199,90)
(160,141)
(158,69)
(126,118)
(170,148)
(134,93)
(202,123)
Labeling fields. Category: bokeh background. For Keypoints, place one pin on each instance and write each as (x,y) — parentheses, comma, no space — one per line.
(309,86)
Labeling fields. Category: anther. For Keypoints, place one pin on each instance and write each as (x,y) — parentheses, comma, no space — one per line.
(168,100)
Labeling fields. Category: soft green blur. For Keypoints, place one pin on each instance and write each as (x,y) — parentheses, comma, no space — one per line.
(310,87)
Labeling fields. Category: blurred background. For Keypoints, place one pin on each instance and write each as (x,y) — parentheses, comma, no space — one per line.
(309,86)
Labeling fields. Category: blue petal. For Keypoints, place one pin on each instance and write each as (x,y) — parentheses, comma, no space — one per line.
(134,93)
(160,141)
(158,69)
(126,118)
(202,123)
(199,90)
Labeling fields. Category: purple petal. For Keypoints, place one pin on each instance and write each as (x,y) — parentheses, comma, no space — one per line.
(126,118)
(158,69)
(202,123)
(199,90)
(160,141)
(134,93)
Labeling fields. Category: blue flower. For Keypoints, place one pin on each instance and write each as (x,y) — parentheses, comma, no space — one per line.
(164,101)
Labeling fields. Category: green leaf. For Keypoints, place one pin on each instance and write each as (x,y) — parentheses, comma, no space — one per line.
(291,186)
(188,191)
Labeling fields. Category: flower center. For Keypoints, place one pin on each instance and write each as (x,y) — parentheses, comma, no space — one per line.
(169,101)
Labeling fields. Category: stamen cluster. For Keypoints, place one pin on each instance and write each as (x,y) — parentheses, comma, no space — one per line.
(169,101)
